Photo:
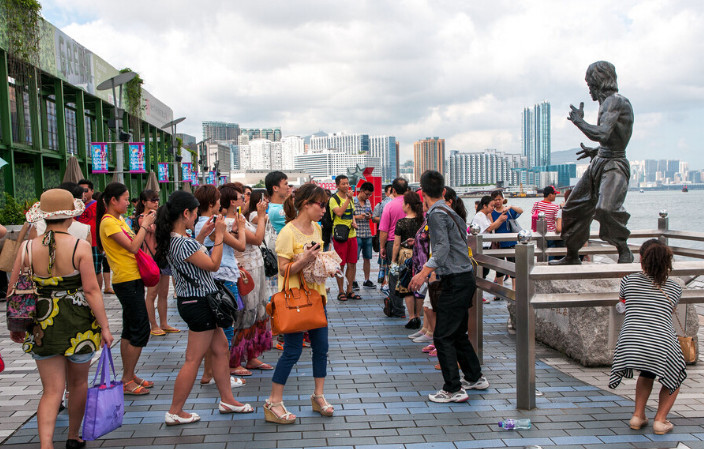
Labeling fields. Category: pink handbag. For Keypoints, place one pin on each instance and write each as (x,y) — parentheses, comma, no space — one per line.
(148,269)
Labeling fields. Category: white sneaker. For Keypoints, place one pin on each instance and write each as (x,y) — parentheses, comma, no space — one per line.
(423,339)
(416,334)
(444,397)
(479,384)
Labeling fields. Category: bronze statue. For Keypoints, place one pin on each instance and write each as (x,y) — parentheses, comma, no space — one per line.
(601,191)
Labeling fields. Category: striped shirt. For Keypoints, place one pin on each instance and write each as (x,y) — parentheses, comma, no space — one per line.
(648,341)
(189,280)
(550,209)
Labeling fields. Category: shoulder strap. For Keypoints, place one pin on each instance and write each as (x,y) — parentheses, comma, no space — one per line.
(73,256)
(674,308)
(188,278)
(456,219)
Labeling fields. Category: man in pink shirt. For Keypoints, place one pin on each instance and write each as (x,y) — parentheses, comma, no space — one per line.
(392,213)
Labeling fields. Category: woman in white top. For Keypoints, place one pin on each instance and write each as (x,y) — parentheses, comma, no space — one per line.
(483,219)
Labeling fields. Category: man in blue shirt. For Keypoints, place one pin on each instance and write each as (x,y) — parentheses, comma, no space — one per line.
(278,189)
(451,263)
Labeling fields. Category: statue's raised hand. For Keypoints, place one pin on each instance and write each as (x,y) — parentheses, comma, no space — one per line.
(587,152)
(576,114)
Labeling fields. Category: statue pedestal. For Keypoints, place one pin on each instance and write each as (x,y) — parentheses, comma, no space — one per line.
(588,335)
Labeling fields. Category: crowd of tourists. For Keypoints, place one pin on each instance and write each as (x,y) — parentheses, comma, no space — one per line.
(248,244)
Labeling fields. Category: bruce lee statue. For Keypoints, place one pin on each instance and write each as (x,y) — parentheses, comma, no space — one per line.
(601,191)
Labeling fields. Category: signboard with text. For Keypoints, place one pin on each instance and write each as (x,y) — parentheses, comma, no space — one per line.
(194,179)
(137,163)
(186,171)
(163,171)
(210,178)
(99,156)
(223,179)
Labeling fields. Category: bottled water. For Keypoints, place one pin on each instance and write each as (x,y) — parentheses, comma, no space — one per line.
(382,273)
(515,424)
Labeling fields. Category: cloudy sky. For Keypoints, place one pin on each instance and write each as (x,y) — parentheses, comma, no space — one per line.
(457,69)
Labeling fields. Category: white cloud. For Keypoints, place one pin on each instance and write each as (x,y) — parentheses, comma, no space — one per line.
(449,68)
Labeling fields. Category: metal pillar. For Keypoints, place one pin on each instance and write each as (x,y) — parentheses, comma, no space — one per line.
(663,225)
(541,227)
(476,312)
(525,328)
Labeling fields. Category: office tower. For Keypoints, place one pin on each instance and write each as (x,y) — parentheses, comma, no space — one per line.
(535,134)
(428,154)
(406,171)
(340,142)
(325,164)
(385,148)
(291,146)
(220,153)
(221,131)
(272,134)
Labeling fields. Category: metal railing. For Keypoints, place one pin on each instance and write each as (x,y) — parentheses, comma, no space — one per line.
(533,249)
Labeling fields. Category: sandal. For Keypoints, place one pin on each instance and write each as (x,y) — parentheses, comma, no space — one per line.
(279,346)
(171,330)
(109,292)
(326,409)
(262,366)
(353,295)
(158,332)
(270,416)
(137,390)
(341,297)
(241,371)
(143,383)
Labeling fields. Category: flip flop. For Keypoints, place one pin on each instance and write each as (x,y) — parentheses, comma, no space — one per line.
(262,366)
(171,330)
(241,371)
(137,391)
(109,292)
(158,332)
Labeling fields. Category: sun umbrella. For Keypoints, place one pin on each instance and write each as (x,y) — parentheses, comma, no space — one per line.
(73,171)
(152,183)
(186,187)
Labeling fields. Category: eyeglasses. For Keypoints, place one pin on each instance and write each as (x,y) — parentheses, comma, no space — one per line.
(319,203)
(154,200)
(247,193)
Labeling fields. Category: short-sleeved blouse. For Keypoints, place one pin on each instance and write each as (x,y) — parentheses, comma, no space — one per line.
(291,241)
(406,228)
(189,280)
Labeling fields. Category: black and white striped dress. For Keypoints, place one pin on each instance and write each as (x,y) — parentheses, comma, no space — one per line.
(647,341)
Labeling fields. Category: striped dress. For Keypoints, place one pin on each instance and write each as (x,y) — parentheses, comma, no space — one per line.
(647,341)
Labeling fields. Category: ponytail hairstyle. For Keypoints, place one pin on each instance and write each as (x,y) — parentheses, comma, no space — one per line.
(456,202)
(207,196)
(656,260)
(305,194)
(112,190)
(485,201)
(167,215)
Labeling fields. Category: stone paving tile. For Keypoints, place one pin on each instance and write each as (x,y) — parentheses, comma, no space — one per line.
(378,381)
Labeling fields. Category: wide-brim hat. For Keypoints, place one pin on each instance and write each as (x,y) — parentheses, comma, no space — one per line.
(55,204)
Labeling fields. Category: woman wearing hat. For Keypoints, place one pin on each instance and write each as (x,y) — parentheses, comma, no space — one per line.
(70,323)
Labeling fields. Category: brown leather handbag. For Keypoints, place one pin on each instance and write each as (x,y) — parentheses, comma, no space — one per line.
(296,309)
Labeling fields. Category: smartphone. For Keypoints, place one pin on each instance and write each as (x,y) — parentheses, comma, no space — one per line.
(314,245)
(239,210)
(213,218)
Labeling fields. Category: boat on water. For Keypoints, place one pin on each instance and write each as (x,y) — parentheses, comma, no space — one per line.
(685,189)
(642,191)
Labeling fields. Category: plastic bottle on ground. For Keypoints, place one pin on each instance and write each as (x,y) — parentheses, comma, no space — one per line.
(515,424)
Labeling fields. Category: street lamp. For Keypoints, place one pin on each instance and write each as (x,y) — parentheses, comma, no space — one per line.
(202,162)
(112,83)
(172,124)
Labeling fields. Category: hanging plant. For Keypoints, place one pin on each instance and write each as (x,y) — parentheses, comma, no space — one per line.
(133,91)
(21,36)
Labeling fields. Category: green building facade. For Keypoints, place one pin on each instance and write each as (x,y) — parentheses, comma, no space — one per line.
(51,111)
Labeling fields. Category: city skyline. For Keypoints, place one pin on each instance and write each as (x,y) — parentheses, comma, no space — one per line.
(359,66)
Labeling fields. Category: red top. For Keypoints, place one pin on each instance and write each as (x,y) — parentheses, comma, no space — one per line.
(88,217)
(550,209)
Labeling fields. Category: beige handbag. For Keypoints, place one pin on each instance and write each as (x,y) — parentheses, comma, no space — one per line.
(689,349)
(11,248)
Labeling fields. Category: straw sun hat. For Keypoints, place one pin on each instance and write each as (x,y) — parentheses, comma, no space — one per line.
(55,204)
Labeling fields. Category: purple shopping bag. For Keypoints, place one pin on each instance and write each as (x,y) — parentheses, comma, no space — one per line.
(105,403)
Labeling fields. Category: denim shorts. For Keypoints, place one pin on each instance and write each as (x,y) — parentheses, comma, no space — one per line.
(75,358)
(365,247)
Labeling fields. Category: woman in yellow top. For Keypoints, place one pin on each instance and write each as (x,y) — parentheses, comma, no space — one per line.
(300,237)
(121,244)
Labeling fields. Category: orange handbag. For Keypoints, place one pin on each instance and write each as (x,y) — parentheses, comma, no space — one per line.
(296,309)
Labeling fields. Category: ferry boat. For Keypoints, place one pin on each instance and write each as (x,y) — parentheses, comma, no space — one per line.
(685,189)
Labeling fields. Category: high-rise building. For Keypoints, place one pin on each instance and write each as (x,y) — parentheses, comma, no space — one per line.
(291,146)
(386,149)
(487,167)
(221,131)
(220,153)
(273,134)
(325,164)
(340,142)
(535,134)
(406,171)
(428,154)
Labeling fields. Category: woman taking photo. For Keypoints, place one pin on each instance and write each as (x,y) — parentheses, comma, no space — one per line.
(252,334)
(483,219)
(191,266)
(148,202)
(296,239)
(120,244)
(406,230)
(73,323)
(647,341)
(502,213)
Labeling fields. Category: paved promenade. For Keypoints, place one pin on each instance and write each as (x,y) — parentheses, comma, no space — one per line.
(378,381)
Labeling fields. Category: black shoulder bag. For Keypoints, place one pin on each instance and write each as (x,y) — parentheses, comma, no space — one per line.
(340,232)
(222,302)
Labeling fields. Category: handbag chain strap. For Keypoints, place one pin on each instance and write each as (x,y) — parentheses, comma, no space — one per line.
(674,309)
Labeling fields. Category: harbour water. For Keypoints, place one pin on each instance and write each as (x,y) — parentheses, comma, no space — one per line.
(685,210)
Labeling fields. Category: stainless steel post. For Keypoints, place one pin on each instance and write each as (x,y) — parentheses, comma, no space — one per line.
(525,328)
(663,225)
(476,312)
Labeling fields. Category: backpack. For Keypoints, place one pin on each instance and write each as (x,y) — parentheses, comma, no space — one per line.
(326,221)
